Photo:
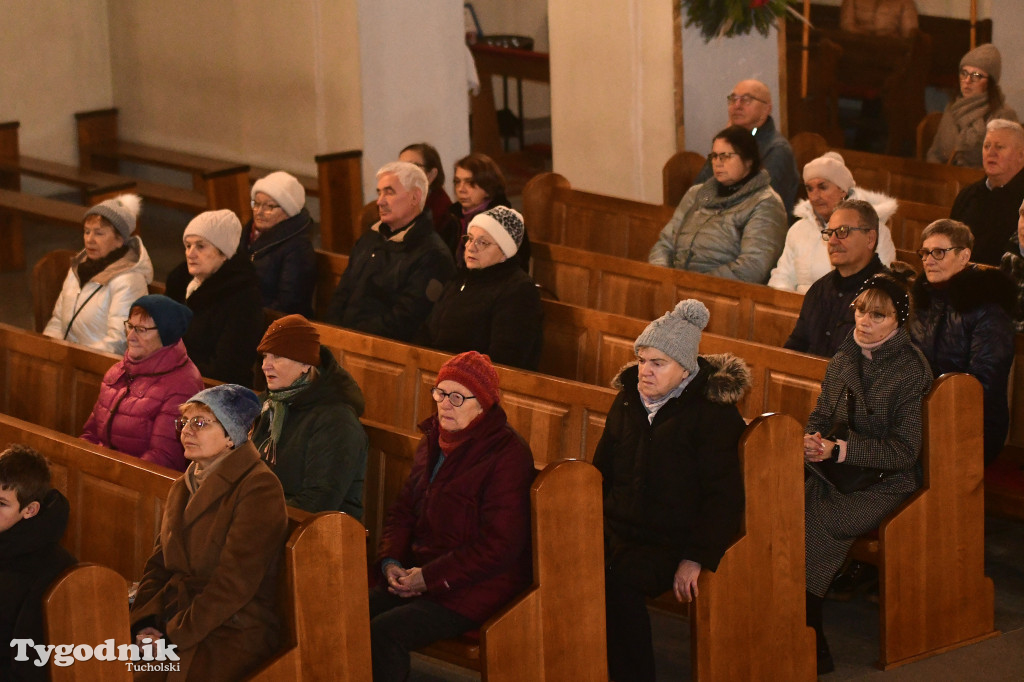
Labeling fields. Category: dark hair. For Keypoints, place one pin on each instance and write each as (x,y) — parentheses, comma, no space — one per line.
(25,471)
(959,234)
(996,99)
(743,143)
(486,174)
(864,210)
(431,161)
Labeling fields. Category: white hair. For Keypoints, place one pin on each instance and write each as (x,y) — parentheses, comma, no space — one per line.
(1003,124)
(410,175)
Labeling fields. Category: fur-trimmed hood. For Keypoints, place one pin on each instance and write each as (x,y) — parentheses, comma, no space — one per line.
(885,206)
(971,288)
(727,377)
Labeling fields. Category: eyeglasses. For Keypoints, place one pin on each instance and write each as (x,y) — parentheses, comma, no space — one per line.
(198,423)
(721,156)
(456,399)
(743,99)
(937,254)
(972,76)
(480,243)
(841,232)
(873,314)
(129,328)
(263,208)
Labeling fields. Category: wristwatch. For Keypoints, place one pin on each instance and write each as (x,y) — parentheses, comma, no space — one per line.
(835,451)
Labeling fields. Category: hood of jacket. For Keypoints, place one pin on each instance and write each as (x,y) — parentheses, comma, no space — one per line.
(726,377)
(970,288)
(136,259)
(885,206)
(333,385)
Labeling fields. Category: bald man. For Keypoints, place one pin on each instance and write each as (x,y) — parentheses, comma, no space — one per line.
(750,106)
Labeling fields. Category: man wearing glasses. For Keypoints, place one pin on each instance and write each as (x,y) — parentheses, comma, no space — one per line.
(826,318)
(750,106)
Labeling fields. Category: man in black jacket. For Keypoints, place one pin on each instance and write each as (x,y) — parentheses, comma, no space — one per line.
(825,316)
(399,266)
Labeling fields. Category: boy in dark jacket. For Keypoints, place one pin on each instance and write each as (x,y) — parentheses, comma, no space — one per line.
(33,517)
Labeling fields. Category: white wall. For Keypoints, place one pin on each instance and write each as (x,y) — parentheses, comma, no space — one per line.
(56,61)
(414,80)
(1007,29)
(612,116)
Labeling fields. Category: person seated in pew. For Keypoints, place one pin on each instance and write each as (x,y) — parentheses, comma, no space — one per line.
(33,517)
(278,242)
(491,305)
(479,186)
(1013,265)
(750,107)
(427,159)
(308,432)
(455,546)
(733,225)
(805,259)
(111,271)
(989,206)
(892,18)
(826,318)
(210,586)
(862,442)
(962,320)
(139,397)
(961,130)
(399,267)
(673,488)
(220,286)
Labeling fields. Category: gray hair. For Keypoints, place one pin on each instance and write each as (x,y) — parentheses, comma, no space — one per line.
(1003,124)
(959,234)
(864,210)
(410,175)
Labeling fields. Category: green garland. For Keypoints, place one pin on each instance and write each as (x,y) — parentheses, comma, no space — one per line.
(728,18)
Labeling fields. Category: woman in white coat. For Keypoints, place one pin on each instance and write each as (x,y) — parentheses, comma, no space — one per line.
(805,258)
(111,272)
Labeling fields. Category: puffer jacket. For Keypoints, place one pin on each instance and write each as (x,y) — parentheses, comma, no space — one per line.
(739,236)
(103,302)
(674,486)
(966,326)
(320,457)
(1013,265)
(138,403)
(805,258)
(285,263)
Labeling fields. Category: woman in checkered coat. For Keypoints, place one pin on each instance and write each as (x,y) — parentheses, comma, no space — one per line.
(868,414)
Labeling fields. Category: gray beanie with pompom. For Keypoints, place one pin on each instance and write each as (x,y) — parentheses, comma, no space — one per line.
(677,333)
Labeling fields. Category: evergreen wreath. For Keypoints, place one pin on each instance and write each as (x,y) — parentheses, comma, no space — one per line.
(729,18)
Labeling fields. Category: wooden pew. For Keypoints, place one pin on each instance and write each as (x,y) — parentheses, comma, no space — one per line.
(678,174)
(910,220)
(933,593)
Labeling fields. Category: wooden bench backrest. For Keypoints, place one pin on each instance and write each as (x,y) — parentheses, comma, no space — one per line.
(47,280)
(678,175)
(910,220)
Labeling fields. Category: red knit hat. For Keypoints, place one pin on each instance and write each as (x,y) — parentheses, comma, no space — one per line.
(474,371)
(292,337)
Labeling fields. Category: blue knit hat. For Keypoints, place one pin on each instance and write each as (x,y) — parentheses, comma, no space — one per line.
(234,406)
(171,318)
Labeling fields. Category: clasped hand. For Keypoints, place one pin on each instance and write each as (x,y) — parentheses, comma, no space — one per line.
(405,582)
(816,448)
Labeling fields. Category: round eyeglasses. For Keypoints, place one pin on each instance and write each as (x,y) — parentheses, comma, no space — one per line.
(937,254)
(477,244)
(456,399)
(841,232)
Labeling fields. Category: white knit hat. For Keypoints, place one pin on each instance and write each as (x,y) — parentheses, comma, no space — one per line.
(831,167)
(284,189)
(122,212)
(677,333)
(221,228)
(505,225)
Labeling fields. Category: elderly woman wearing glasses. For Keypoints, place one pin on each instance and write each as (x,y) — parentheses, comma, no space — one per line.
(491,306)
(209,587)
(733,225)
(278,242)
(962,128)
(140,395)
(456,543)
(962,320)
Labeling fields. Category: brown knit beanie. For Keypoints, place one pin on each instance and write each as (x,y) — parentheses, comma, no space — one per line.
(985,57)
(292,337)
(474,371)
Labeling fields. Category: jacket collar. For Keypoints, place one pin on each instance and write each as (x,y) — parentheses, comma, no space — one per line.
(234,465)
(412,232)
(287,229)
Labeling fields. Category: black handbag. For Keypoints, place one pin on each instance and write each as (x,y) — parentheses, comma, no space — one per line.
(847,478)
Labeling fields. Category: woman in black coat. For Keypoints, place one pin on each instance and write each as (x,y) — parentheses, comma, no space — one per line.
(869,415)
(491,306)
(962,320)
(278,243)
(221,289)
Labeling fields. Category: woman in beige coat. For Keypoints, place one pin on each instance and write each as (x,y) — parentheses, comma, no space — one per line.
(209,587)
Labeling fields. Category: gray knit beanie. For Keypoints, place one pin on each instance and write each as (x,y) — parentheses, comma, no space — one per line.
(234,406)
(122,212)
(504,225)
(985,57)
(221,228)
(677,333)
(284,189)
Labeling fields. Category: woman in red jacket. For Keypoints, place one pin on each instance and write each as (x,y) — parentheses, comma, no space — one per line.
(456,544)
(140,395)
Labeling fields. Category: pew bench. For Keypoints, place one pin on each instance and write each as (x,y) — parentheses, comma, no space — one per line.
(14,206)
